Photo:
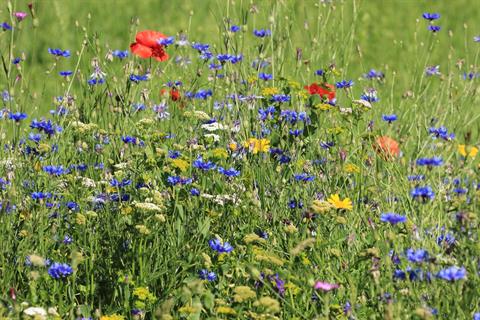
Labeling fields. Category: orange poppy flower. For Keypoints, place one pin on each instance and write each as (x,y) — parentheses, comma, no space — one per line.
(386,147)
(323,90)
(147,46)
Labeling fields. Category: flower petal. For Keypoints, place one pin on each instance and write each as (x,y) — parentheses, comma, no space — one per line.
(141,50)
(149,38)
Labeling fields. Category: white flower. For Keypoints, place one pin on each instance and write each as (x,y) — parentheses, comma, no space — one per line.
(213,126)
(37,312)
(148,206)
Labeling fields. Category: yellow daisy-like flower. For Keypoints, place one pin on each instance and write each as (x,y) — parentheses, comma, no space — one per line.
(112,317)
(467,151)
(180,164)
(351,168)
(257,145)
(269,91)
(335,201)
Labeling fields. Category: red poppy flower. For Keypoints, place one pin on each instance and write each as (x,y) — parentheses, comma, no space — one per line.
(386,147)
(147,46)
(323,90)
(174,94)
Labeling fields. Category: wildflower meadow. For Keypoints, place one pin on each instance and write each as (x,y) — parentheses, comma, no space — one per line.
(239,159)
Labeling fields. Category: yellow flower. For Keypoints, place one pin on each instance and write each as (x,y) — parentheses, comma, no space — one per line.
(226,310)
(257,145)
(220,153)
(351,168)
(232,146)
(467,151)
(142,293)
(243,293)
(180,164)
(323,106)
(269,91)
(340,204)
(112,317)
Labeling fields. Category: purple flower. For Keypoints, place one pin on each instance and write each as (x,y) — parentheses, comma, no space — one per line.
(434,29)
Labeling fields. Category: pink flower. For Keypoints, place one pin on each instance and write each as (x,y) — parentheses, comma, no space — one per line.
(20,15)
(325,286)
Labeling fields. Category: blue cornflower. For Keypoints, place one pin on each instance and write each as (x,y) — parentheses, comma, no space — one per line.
(59,270)
(234,28)
(201,47)
(262,33)
(229,172)
(137,78)
(65,73)
(235,59)
(38,195)
(470,75)
(95,81)
(259,64)
(120,54)
(369,95)
(174,180)
(173,154)
(399,274)
(423,193)
(431,162)
(17,116)
(265,76)
(452,273)
(120,184)
(16,60)
(319,72)
(280,98)
(389,117)
(67,239)
(417,256)
(327,144)
(392,218)
(303,177)
(447,238)
(204,274)
(203,94)
(220,247)
(6,26)
(476,38)
(374,74)
(344,84)
(433,71)
(195,192)
(441,132)
(46,126)
(417,177)
(434,28)
(289,116)
(295,132)
(224,57)
(292,204)
(55,170)
(268,113)
(137,107)
(72,205)
(59,52)
(203,165)
(129,139)
(476,316)
(431,16)
(166,41)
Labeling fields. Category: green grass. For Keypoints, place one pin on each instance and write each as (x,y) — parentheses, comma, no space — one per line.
(145,252)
